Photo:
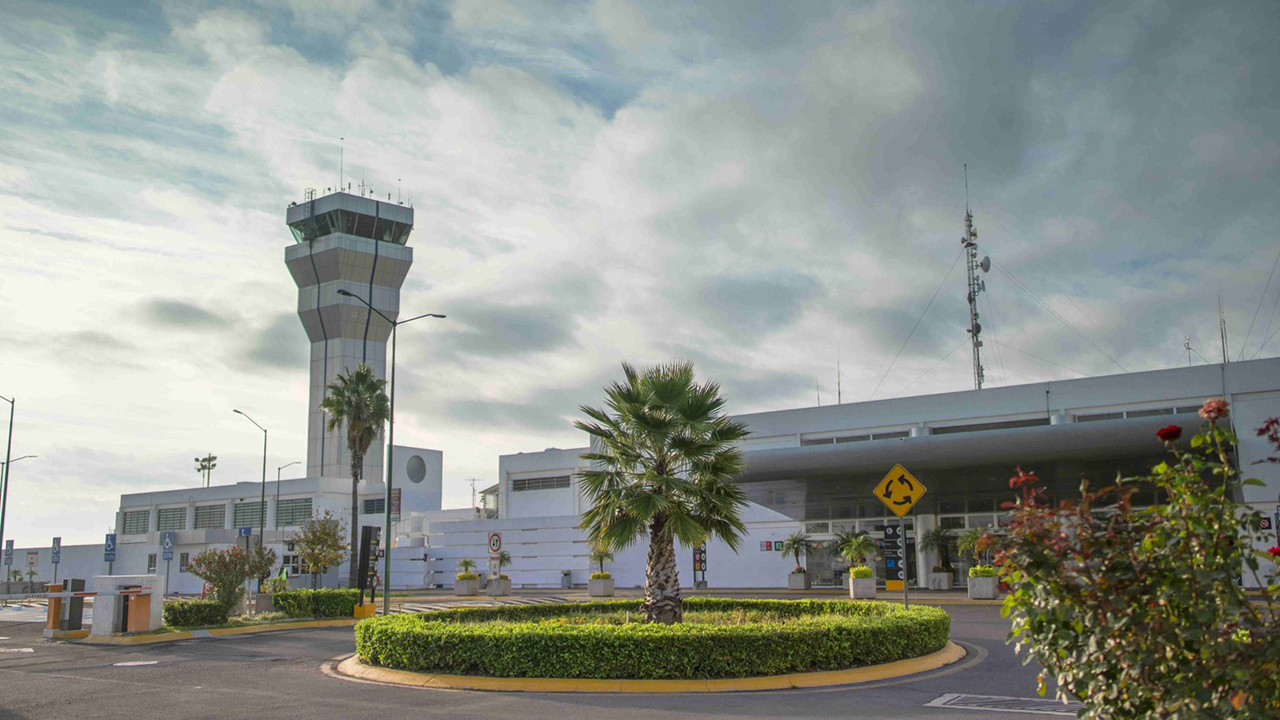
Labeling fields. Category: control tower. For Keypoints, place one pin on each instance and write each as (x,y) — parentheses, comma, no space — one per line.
(357,244)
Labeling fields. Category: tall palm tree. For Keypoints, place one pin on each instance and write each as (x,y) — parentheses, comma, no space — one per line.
(357,400)
(855,546)
(939,539)
(663,456)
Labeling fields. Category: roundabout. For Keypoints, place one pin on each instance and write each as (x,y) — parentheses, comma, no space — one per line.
(722,645)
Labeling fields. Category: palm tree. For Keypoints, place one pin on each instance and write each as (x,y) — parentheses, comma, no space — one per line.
(968,541)
(466,565)
(663,458)
(600,556)
(797,544)
(357,400)
(504,559)
(856,547)
(940,540)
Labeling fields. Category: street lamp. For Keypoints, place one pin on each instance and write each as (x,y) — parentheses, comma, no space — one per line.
(262,505)
(391,435)
(24,457)
(4,492)
(295,462)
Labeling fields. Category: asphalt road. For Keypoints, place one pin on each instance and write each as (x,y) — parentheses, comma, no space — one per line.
(281,675)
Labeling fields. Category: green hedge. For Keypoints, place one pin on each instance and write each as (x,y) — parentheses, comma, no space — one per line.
(194,613)
(982,571)
(818,635)
(317,603)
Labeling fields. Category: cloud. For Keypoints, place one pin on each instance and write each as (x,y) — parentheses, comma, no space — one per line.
(280,345)
(179,313)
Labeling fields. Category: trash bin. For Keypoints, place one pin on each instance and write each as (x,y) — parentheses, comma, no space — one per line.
(566,578)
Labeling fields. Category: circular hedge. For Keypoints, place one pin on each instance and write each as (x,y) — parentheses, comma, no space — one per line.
(720,638)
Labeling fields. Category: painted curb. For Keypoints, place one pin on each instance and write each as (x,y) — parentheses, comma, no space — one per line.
(353,668)
(215,632)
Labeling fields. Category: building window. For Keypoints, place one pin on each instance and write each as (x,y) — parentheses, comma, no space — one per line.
(211,516)
(545,483)
(293,512)
(375,506)
(294,564)
(137,522)
(151,564)
(171,519)
(183,559)
(247,514)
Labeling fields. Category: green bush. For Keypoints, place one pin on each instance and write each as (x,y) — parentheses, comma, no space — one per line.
(328,603)
(780,636)
(194,613)
(983,571)
(466,576)
(601,575)
(861,572)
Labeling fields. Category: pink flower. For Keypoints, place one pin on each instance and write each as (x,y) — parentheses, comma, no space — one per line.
(1214,409)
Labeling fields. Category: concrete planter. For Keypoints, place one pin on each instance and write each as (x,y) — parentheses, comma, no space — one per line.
(941,580)
(498,586)
(983,588)
(470,586)
(600,587)
(862,588)
(798,581)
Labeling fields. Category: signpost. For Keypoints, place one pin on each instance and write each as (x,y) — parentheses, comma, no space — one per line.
(700,566)
(899,491)
(495,548)
(8,563)
(109,552)
(56,556)
(368,568)
(166,550)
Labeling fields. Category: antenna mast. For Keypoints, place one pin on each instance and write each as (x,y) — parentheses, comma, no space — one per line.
(976,284)
(839,395)
(1222,327)
(342,156)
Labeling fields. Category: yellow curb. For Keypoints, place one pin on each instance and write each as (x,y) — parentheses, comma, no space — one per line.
(352,667)
(215,632)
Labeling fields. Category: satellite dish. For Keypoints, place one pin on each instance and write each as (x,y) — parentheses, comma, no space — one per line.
(977,328)
(985,264)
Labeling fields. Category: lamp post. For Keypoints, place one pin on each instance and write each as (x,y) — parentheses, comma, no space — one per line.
(4,492)
(295,462)
(391,434)
(262,504)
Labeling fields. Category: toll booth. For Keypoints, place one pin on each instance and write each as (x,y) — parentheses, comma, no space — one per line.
(65,616)
(115,614)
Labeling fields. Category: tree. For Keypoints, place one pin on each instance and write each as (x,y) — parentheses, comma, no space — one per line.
(663,459)
(600,556)
(320,545)
(968,542)
(31,580)
(466,565)
(357,400)
(504,559)
(939,540)
(1138,611)
(797,545)
(856,547)
(225,570)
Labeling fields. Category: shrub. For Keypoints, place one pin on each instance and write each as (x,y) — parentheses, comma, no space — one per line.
(194,613)
(601,575)
(329,603)
(982,571)
(466,576)
(861,572)
(503,577)
(225,570)
(1138,612)
(540,640)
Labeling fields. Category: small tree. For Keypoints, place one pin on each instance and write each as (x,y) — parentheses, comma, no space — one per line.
(321,544)
(31,580)
(226,570)
(504,559)
(968,543)
(600,556)
(938,540)
(797,545)
(466,566)
(856,547)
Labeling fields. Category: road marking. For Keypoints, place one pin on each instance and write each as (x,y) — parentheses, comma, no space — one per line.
(4,637)
(998,703)
(136,663)
(16,650)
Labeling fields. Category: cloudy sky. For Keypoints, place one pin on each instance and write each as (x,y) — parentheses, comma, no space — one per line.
(752,185)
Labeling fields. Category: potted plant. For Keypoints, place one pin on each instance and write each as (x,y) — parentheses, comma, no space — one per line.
(600,584)
(939,540)
(500,585)
(796,545)
(982,582)
(858,548)
(466,582)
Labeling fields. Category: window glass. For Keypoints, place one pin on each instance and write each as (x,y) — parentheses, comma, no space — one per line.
(171,519)
(183,559)
(293,512)
(951,523)
(151,563)
(137,522)
(211,516)
(247,514)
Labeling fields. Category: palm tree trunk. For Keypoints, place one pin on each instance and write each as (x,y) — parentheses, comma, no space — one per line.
(662,602)
(352,579)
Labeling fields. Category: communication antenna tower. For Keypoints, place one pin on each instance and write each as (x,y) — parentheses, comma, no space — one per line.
(839,394)
(1186,343)
(473,482)
(976,283)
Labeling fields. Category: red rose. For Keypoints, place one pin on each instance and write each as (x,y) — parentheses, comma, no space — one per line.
(1274,551)
(1169,433)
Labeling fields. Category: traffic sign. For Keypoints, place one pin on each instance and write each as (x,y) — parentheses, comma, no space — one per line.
(109,548)
(8,552)
(57,550)
(495,542)
(495,547)
(899,491)
(166,544)
(246,531)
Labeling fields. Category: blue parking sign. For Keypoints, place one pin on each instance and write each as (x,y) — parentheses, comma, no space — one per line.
(166,544)
(57,550)
(109,548)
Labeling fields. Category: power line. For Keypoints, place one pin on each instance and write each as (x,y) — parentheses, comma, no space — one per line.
(1261,298)
(913,327)
(1197,352)
(991,323)
(1060,319)
(1042,359)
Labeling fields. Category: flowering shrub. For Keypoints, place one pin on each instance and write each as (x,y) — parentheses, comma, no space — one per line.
(1138,612)
(861,572)
(225,570)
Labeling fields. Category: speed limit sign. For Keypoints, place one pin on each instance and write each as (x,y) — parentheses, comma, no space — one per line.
(495,542)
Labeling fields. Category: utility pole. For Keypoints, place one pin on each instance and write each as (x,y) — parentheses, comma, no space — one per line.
(4,491)
(1186,343)
(976,284)
(1222,328)
(839,391)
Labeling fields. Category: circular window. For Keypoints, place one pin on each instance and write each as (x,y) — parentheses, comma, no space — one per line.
(416,468)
